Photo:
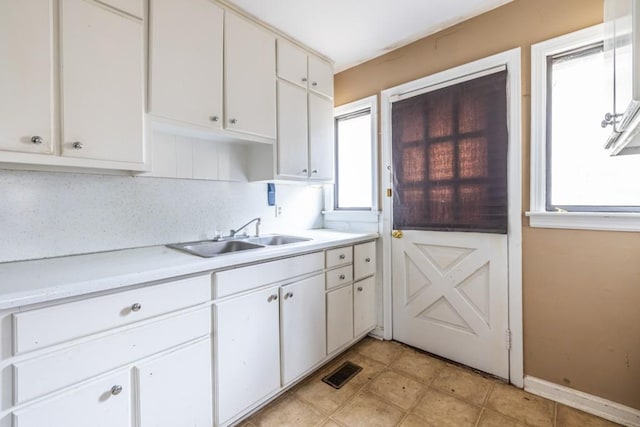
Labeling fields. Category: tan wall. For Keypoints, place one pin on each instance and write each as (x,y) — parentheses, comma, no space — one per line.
(581,288)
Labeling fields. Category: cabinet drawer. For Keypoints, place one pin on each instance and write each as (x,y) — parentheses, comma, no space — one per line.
(41,375)
(364,260)
(339,256)
(339,276)
(242,279)
(52,325)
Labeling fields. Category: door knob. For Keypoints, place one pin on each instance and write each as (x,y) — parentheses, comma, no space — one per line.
(397,234)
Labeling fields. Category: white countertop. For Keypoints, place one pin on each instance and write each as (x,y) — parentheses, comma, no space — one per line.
(29,282)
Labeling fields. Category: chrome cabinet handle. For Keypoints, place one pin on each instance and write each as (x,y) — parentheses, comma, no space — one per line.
(214,118)
(367,259)
(78,145)
(314,84)
(342,277)
(272,298)
(233,121)
(315,171)
(116,390)
(304,80)
(304,170)
(37,140)
(342,256)
(136,307)
(288,295)
(359,288)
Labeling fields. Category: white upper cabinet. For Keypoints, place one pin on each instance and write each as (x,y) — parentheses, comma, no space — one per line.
(103,83)
(250,78)
(185,61)
(292,146)
(26,76)
(292,63)
(320,76)
(321,144)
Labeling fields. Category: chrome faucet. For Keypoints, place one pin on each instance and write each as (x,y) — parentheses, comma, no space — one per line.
(233,232)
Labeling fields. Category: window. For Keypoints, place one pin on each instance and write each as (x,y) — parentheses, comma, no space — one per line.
(574,181)
(355,126)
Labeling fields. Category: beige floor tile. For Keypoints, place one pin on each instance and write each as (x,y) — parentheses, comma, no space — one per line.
(465,384)
(396,388)
(289,411)
(443,410)
(491,418)
(570,417)
(324,397)
(413,420)
(330,423)
(367,410)
(523,406)
(418,365)
(382,351)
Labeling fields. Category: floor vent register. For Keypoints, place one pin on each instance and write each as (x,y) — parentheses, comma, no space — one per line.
(341,375)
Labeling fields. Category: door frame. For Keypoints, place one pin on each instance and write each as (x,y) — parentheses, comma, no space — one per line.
(512,60)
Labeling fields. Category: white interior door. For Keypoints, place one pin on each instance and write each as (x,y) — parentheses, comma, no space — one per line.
(451,296)
(450,254)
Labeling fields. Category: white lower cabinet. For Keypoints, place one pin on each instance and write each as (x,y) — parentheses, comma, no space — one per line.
(302,326)
(175,389)
(105,402)
(247,351)
(364,298)
(339,318)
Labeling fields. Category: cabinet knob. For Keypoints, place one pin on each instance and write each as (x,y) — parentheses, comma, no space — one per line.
(116,390)
(214,118)
(37,140)
(359,288)
(288,295)
(272,298)
(304,170)
(304,80)
(136,307)
(233,121)
(342,256)
(315,171)
(78,145)
(342,277)
(314,84)
(367,259)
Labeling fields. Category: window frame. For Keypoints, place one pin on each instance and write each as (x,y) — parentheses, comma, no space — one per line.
(369,103)
(539,216)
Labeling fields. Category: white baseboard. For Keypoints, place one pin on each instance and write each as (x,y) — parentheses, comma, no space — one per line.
(595,405)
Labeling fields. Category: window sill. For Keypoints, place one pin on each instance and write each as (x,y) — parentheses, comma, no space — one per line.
(359,216)
(606,221)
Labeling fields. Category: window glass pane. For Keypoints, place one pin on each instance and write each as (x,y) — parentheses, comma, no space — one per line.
(354,175)
(581,172)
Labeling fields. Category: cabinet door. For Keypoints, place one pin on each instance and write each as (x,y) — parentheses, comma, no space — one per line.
(176,389)
(250,77)
(303,326)
(364,306)
(320,76)
(293,151)
(102,403)
(247,351)
(291,63)
(364,260)
(339,318)
(26,75)
(321,144)
(102,83)
(186,61)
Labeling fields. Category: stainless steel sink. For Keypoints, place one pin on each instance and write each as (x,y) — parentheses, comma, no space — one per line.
(211,248)
(277,239)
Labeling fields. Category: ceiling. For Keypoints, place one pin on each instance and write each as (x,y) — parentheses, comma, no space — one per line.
(353,31)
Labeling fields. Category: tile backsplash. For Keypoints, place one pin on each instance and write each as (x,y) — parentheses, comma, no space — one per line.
(47,214)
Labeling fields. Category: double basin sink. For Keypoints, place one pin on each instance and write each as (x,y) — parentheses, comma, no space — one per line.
(212,248)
